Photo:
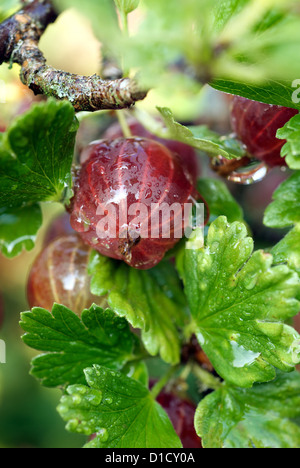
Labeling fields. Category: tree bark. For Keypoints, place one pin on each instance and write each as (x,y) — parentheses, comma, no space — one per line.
(19,39)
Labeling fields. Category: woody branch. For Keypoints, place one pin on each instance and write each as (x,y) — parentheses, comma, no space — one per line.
(19,43)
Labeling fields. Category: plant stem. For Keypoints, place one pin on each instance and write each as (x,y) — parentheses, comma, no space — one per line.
(125,29)
(158,387)
(19,43)
(186,372)
(124,125)
(206,378)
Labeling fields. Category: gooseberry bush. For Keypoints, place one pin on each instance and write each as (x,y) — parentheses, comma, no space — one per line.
(160,341)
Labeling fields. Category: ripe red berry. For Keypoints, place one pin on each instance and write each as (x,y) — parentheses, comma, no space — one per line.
(186,153)
(59,227)
(59,274)
(181,413)
(113,204)
(256,125)
(1,311)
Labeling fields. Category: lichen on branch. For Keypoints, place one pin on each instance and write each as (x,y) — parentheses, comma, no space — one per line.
(19,43)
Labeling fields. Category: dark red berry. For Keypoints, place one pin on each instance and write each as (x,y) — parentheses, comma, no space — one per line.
(59,227)
(186,153)
(59,274)
(1,311)
(118,184)
(181,413)
(297,322)
(256,125)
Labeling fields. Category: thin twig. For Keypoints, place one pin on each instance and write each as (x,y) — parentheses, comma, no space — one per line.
(19,39)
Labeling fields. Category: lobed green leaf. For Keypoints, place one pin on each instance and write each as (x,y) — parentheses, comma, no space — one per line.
(291,149)
(36,155)
(152,300)
(284,211)
(18,229)
(239,304)
(119,411)
(260,417)
(288,250)
(71,343)
(219,199)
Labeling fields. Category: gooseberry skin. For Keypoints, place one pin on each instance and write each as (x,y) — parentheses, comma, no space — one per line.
(186,153)
(126,172)
(256,125)
(181,413)
(1,311)
(59,275)
(59,227)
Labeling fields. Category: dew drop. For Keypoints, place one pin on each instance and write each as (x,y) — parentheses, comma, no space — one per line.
(95,397)
(85,428)
(250,282)
(241,356)
(76,399)
(201,338)
(103,435)
(81,389)
(148,193)
(72,425)
(121,326)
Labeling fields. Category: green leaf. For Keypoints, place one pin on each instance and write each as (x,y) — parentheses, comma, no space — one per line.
(291,150)
(239,303)
(71,343)
(288,250)
(7,8)
(225,9)
(219,199)
(151,300)
(18,229)
(127,6)
(120,411)
(199,137)
(36,155)
(269,92)
(260,417)
(137,370)
(257,47)
(284,211)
